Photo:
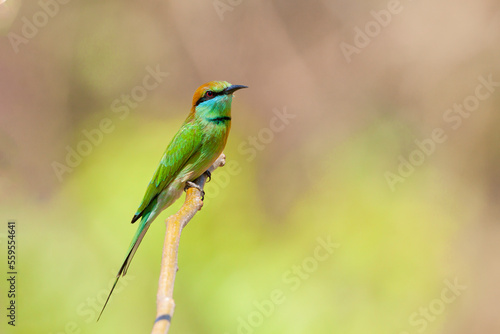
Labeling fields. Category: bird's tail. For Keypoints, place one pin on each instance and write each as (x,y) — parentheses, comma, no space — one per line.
(146,221)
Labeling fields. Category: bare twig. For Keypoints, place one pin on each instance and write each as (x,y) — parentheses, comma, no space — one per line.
(164,300)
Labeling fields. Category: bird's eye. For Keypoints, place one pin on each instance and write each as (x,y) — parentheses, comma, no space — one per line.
(209,94)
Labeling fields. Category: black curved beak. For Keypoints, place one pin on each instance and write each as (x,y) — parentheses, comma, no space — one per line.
(233,88)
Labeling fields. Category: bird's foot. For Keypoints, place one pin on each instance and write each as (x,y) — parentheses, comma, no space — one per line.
(190,184)
(209,175)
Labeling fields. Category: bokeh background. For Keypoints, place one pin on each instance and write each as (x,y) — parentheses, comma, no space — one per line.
(337,101)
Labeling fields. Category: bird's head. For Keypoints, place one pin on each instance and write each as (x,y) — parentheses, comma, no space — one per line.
(214,98)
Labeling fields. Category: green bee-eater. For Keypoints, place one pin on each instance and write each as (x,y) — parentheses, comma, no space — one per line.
(194,148)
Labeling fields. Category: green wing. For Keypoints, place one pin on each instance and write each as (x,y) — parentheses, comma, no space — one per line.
(178,152)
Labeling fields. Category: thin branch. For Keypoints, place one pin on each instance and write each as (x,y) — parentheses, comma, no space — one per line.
(164,299)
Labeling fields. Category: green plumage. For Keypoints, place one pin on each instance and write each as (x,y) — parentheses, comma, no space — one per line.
(195,147)
(182,147)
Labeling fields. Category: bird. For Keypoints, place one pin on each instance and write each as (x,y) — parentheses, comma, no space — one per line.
(195,147)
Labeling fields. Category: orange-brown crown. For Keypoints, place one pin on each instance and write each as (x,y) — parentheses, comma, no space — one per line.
(214,86)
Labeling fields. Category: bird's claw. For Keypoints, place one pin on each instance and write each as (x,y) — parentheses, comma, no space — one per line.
(190,184)
(209,175)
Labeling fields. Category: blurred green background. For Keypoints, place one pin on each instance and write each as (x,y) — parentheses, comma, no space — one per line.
(340,209)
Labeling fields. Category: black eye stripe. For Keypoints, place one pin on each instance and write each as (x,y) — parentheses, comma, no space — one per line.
(205,98)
